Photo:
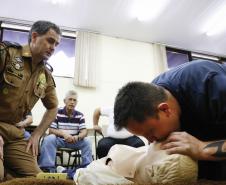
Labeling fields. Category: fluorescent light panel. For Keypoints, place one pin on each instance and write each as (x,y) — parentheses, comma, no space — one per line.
(145,10)
(58,2)
(69,34)
(198,55)
(217,24)
(14,26)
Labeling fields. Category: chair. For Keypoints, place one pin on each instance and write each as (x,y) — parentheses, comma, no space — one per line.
(95,142)
(103,134)
(72,153)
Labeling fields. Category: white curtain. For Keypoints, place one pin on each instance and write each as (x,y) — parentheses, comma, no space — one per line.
(87,60)
(159,59)
(86,52)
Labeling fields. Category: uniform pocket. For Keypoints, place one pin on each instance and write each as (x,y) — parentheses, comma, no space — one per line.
(38,93)
(40,86)
(12,79)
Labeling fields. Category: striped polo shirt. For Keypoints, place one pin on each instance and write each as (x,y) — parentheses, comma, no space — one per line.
(71,125)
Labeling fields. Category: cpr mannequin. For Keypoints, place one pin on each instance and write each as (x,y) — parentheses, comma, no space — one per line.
(156,166)
(147,164)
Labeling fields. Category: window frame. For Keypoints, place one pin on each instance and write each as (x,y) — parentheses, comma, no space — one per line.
(191,58)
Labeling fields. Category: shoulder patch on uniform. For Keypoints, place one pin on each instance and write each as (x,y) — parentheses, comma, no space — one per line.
(12,44)
(2,46)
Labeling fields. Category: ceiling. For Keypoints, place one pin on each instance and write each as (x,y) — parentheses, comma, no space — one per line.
(181,24)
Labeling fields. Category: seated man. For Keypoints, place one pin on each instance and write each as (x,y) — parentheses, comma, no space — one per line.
(68,131)
(144,165)
(113,137)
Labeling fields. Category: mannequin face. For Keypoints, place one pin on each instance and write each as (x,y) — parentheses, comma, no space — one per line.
(146,155)
(156,166)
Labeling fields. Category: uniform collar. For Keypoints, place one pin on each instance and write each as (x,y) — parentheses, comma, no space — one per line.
(26,51)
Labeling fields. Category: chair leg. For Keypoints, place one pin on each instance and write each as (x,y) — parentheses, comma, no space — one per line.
(77,157)
(69,159)
(75,161)
(60,155)
(71,153)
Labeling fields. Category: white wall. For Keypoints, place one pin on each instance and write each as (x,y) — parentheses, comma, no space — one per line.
(120,61)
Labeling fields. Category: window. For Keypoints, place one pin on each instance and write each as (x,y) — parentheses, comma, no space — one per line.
(62,60)
(20,37)
(176,57)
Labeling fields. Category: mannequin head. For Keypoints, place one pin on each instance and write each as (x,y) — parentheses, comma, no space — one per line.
(149,164)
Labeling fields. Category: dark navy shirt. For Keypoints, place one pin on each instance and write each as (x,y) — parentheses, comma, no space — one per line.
(200,88)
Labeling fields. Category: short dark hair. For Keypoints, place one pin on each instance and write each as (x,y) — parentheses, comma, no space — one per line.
(42,27)
(136,101)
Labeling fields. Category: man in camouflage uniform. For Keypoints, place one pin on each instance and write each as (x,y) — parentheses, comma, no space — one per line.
(24,79)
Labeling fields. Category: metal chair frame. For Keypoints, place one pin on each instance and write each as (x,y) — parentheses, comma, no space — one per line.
(72,153)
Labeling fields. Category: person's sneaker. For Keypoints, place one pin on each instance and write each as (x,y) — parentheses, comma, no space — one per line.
(61,169)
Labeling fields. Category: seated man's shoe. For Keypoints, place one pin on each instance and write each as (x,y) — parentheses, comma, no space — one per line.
(61,169)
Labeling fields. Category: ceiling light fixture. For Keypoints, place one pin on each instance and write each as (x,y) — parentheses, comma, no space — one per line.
(57,2)
(14,26)
(203,56)
(217,24)
(69,33)
(145,10)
